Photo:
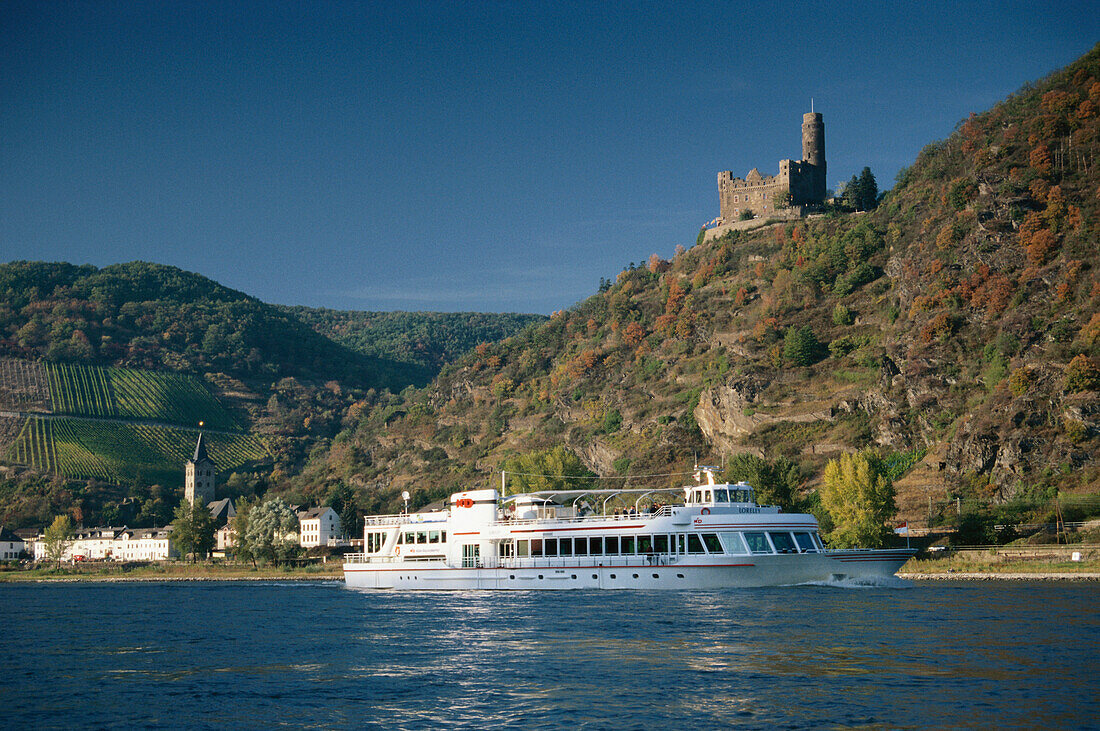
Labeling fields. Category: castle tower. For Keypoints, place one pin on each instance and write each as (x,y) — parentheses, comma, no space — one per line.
(813,151)
(199,475)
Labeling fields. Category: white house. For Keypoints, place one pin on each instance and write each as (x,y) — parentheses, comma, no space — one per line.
(115,544)
(144,544)
(225,537)
(318,527)
(11,545)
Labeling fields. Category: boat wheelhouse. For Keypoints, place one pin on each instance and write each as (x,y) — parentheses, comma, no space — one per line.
(706,536)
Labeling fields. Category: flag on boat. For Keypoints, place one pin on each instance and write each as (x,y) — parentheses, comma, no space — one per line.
(902,529)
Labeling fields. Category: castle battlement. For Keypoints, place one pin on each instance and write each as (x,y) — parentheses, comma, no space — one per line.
(799,182)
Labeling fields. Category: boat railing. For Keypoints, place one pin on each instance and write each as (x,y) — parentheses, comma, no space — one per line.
(663,511)
(550,562)
(403,518)
(380,558)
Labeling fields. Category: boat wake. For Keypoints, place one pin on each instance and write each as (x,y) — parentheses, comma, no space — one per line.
(864,582)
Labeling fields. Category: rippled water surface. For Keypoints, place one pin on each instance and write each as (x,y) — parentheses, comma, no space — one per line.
(210,655)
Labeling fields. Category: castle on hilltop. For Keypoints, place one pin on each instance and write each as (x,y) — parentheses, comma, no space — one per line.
(800,183)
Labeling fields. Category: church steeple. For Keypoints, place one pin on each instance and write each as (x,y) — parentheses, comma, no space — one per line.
(200,451)
(198,481)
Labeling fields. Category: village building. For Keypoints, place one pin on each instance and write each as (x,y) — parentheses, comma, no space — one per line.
(11,545)
(318,527)
(225,538)
(107,543)
(144,544)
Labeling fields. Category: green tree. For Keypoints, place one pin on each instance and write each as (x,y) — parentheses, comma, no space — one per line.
(344,501)
(549,469)
(868,190)
(242,549)
(859,498)
(57,538)
(193,529)
(272,531)
(861,193)
(775,483)
(800,346)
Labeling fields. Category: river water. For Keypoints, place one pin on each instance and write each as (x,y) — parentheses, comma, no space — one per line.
(201,655)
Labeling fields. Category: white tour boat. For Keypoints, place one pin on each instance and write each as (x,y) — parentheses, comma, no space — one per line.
(715,536)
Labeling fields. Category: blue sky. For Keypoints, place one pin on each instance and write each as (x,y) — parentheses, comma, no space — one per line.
(455,156)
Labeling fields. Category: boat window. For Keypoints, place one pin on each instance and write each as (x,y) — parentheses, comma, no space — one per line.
(758,543)
(443,535)
(782,542)
(721,496)
(433,536)
(707,496)
(536,546)
(580,546)
(645,544)
(694,544)
(410,537)
(805,542)
(733,543)
(421,536)
(595,546)
(550,547)
(681,543)
(565,547)
(523,548)
(710,540)
(628,545)
(660,544)
(817,540)
(612,545)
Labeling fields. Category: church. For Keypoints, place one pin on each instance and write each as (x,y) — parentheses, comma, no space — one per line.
(199,484)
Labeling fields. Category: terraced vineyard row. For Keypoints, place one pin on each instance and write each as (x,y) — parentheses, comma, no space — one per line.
(132,394)
(34,446)
(121,453)
(78,389)
(24,385)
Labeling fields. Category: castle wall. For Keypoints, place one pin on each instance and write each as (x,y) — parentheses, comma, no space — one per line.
(803,179)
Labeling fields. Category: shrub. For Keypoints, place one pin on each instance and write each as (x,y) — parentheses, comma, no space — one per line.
(842,315)
(1082,375)
(1075,431)
(1020,381)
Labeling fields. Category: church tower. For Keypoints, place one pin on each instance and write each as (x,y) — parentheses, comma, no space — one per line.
(199,475)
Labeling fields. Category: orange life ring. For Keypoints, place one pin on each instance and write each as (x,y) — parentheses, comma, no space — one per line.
(397,550)
(704,511)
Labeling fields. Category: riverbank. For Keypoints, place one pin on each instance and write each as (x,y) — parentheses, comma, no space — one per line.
(1002,576)
(1006,564)
(332,571)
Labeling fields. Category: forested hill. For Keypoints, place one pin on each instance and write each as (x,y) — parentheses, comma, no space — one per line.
(955,330)
(423,340)
(160,317)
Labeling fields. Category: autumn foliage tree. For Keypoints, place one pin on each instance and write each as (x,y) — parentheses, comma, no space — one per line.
(859,498)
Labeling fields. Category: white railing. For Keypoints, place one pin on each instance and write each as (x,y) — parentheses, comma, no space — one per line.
(664,511)
(377,558)
(402,518)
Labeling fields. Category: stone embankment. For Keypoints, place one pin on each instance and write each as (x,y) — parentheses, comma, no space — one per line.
(989,576)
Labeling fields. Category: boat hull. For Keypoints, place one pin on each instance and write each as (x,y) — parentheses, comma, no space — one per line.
(689,573)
